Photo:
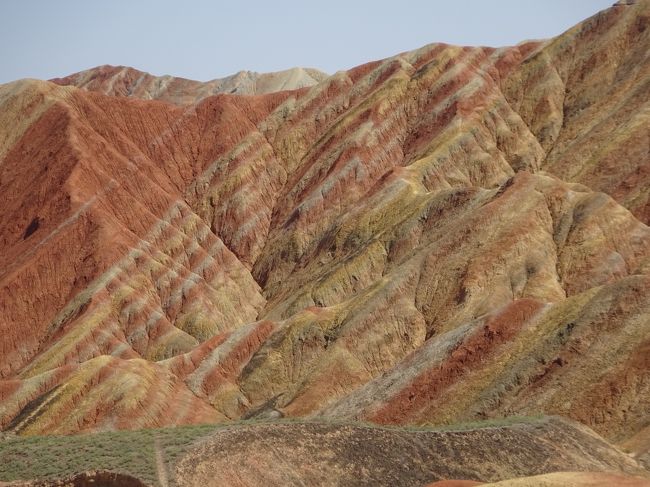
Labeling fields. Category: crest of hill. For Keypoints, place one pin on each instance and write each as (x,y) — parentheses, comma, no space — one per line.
(130,82)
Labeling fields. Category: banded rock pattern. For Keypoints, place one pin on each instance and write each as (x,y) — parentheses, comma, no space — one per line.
(444,235)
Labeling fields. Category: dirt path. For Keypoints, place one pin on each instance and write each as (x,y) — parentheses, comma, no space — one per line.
(160,464)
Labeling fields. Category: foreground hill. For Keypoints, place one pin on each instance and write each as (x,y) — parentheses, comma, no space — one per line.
(330,455)
(324,453)
(124,81)
(451,234)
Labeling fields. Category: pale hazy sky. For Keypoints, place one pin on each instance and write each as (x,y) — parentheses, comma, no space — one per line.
(202,40)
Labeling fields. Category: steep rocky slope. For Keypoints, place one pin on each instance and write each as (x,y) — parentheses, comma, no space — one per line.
(450,234)
(124,81)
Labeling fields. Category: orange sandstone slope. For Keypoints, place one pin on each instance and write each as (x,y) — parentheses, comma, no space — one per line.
(449,234)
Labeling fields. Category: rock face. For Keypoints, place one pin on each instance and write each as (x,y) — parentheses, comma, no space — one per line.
(124,81)
(450,234)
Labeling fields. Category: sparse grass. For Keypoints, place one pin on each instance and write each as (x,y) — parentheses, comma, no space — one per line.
(133,452)
(488,423)
(460,426)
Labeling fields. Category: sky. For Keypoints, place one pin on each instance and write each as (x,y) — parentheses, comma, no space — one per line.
(201,39)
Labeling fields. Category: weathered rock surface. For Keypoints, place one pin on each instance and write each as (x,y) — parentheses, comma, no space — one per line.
(450,234)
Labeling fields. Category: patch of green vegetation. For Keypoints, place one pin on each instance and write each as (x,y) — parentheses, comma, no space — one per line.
(487,423)
(502,422)
(129,452)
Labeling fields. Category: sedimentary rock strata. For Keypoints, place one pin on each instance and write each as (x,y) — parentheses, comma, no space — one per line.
(450,234)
